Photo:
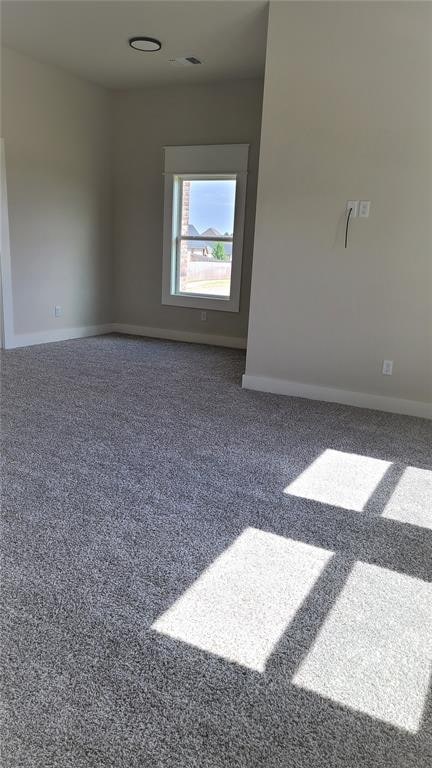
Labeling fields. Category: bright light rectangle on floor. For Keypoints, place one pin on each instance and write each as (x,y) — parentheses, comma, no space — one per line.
(340,479)
(241,605)
(374,651)
(411,501)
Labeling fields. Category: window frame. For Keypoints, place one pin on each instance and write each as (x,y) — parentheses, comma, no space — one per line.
(205,162)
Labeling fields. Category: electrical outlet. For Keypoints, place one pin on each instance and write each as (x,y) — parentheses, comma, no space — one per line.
(203,316)
(387,368)
(364,208)
(58,310)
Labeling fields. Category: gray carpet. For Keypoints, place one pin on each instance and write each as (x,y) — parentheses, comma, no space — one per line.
(196,576)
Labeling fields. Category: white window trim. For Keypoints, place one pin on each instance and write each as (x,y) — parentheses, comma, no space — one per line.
(223,160)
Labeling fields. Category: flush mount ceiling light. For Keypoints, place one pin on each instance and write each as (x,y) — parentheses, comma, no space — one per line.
(148,44)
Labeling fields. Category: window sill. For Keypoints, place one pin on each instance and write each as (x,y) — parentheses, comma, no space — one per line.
(201,302)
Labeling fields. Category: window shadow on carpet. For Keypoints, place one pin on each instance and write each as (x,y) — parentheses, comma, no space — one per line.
(360,635)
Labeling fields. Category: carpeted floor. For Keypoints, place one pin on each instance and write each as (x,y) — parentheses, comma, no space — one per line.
(197,576)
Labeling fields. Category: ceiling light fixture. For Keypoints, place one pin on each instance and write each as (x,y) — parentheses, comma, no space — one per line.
(148,44)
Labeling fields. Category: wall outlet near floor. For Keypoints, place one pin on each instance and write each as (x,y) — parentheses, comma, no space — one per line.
(58,310)
(387,368)
(203,316)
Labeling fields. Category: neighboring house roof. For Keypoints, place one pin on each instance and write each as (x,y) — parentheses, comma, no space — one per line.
(201,244)
(211,232)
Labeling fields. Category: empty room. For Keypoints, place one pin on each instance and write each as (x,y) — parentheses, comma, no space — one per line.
(216,384)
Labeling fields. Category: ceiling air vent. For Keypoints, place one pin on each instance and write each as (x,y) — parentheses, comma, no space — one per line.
(185,61)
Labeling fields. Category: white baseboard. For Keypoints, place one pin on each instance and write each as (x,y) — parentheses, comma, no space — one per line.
(63,334)
(330,395)
(59,334)
(171,334)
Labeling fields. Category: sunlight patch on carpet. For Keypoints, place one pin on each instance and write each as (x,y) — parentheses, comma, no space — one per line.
(374,651)
(340,479)
(411,501)
(241,605)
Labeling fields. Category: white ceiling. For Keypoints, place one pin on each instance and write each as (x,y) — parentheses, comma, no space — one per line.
(90,38)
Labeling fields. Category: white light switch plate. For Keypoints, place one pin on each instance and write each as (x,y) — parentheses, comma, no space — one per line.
(354,204)
(364,209)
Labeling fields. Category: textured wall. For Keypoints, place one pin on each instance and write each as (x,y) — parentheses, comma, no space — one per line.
(57,132)
(145,121)
(347,115)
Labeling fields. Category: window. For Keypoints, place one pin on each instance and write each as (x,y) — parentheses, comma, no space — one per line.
(203,249)
(205,191)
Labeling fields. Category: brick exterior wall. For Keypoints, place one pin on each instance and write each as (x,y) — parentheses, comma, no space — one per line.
(184,251)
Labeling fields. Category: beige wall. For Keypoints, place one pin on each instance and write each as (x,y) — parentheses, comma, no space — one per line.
(347,115)
(57,132)
(145,121)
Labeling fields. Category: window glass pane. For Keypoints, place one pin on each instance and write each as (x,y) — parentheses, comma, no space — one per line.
(204,267)
(208,207)
(207,213)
